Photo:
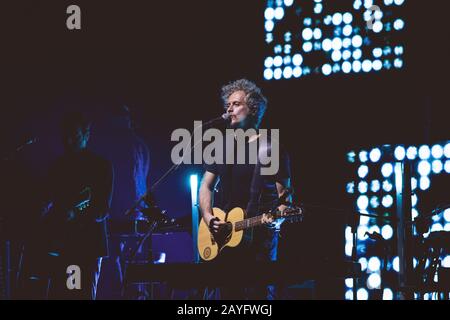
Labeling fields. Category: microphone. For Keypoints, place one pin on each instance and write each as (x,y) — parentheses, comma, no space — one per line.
(224,117)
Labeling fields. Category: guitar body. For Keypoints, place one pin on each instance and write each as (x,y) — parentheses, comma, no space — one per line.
(209,246)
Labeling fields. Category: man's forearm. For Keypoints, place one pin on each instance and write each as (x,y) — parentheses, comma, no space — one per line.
(205,197)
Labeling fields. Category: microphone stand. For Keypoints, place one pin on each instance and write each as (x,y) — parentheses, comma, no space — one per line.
(5,243)
(175,166)
(149,200)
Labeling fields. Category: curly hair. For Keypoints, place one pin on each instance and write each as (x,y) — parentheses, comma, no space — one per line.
(253,97)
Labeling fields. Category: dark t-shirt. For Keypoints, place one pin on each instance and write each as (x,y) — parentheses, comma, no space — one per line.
(243,185)
(69,176)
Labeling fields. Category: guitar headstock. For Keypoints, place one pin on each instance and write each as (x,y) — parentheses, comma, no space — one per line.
(84,200)
(290,214)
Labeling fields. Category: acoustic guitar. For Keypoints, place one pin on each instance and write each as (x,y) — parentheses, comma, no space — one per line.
(231,233)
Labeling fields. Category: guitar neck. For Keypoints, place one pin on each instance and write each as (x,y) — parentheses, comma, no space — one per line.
(249,223)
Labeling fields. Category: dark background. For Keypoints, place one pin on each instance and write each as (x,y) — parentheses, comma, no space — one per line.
(167,61)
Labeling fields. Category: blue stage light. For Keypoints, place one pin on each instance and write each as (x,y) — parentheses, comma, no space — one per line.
(337,19)
(411,153)
(375,155)
(326,69)
(400,153)
(387,169)
(363,203)
(307,34)
(362,294)
(375,186)
(424,152)
(387,232)
(437,151)
(374,264)
(424,168)
(268,74)
(279,13)
(363,187)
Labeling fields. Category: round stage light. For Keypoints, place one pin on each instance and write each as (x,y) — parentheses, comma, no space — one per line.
(269,14)
(374,264)
(447,215)
(278,61)
(277,74)
(375,186)
(374,281)
(307,46)
(396,264)
(400,153)
(362,294)
(437,151)
(347,31)
(374,202)
(268,63)
(336,44)
(347,18)
(388,294)
(375,155)
(377,65)
(377,26)
(349,295)
(279,13)
(349,282)
(362,203)
(287,73)
(362,187)
(387,201)
(411,153)
(363,171)
(398,63)
(387,186)
(424,152)
(346,67)
(298,72)
(268,74)
(399,24)
(269,25)
(357,41)
(326,69)
(327,45)
(347,54)
(387,232)
(357,54)
(424,183)
(337,19)
(317,33)
(377,52)
(437,166)
(356,65)
(447,150)
(367,66)
(424,168)
(346,43)
(297,59)
(307,34)
(336,55)
(387,169)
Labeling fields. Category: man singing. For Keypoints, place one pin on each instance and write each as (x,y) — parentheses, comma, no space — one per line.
(244,186)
